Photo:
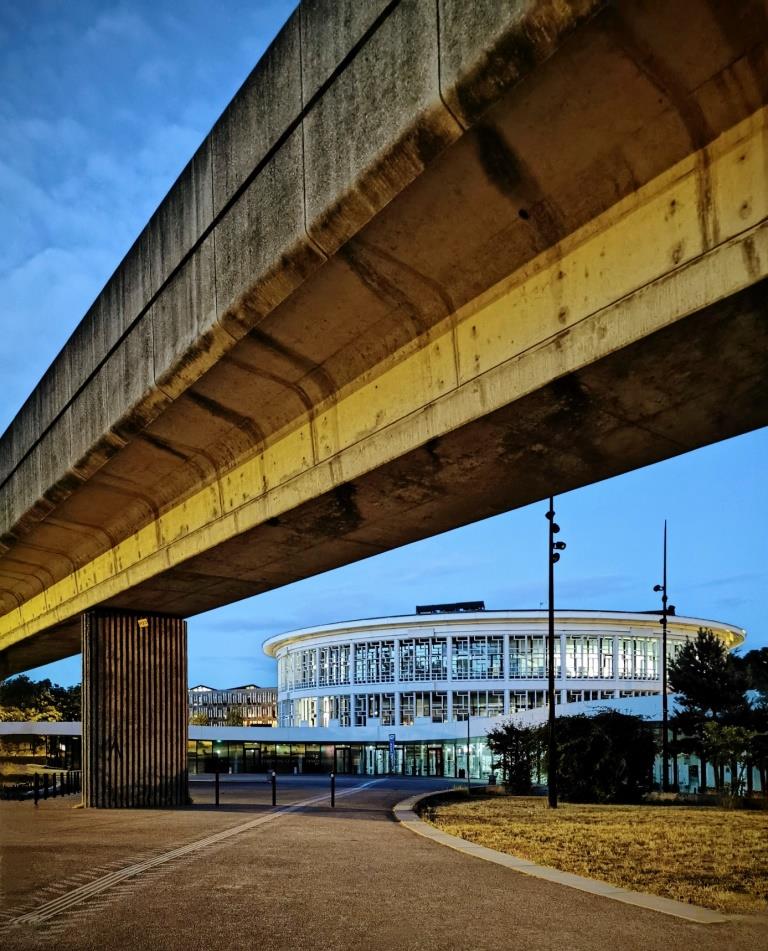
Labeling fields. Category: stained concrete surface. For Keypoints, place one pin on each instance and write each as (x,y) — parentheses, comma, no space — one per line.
(315,878)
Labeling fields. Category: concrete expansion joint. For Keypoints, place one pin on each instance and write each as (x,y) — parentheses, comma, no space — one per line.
(405,812)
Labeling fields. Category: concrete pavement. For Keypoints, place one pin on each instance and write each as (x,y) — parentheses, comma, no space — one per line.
(311,878)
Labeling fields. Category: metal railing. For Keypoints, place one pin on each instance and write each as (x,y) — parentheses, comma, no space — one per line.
(47,786)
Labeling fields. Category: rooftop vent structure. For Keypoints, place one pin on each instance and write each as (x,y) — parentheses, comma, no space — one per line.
(450,608)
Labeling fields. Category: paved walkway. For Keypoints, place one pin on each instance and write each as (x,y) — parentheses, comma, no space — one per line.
(310,878)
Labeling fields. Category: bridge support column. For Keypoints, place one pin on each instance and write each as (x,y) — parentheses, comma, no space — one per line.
(134,710)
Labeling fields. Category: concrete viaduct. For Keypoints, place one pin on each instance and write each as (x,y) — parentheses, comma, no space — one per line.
(436,260)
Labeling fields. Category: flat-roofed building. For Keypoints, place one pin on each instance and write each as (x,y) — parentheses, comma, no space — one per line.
(254,705)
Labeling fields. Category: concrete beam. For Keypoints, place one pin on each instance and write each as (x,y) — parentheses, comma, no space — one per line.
(283,183)
(549,379)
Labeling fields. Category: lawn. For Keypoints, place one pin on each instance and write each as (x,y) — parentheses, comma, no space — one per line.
(703,855)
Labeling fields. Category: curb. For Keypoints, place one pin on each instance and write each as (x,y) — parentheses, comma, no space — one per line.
(405,813)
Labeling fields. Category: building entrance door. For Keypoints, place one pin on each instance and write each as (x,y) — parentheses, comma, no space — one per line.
(435,766)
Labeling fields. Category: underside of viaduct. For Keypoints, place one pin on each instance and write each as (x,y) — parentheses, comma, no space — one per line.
(435,261)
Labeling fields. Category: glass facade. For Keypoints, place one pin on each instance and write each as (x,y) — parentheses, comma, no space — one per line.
(429,758)
(601,662)
(256,705)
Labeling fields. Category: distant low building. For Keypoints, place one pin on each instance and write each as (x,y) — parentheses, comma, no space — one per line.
(257,706)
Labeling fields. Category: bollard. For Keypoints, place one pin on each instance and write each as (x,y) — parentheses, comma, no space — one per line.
(37,788)
(61,783)
(333,790)
(216,786)
(274,788)
(45,785)
(53,783)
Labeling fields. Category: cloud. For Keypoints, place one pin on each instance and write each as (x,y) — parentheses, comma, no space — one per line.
(727,581)
(63,283)
(731,602)
(155,73)
(120,24)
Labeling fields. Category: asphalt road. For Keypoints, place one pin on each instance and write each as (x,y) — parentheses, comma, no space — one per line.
(311,878)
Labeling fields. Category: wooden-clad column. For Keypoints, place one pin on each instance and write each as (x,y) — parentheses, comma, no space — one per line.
(134,710)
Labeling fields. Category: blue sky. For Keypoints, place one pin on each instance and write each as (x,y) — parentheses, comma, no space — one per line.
(103,103)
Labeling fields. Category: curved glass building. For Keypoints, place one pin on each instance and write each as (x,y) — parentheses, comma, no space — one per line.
(416,695)
(441,667)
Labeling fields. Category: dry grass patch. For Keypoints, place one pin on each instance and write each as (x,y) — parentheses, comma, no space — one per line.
(706,856)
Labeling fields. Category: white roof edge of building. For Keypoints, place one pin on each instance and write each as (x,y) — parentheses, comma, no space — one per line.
(271,644)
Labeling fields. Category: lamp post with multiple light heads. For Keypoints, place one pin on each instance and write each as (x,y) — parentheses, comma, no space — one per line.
(555,548)
(666,609)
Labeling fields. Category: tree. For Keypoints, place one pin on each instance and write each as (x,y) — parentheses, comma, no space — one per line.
(709,681)
(24,699)
(728,746)
(199,719)
(517,746)
(605,758)
(755,666)
(758,751)
(68,700)
(715,717)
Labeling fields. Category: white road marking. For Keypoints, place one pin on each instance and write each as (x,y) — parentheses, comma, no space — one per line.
(84,892)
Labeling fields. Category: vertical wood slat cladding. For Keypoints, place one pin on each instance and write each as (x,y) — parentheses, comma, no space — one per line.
(134,710)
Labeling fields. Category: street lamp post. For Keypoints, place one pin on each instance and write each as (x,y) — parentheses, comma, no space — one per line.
(554,556)
(665,610)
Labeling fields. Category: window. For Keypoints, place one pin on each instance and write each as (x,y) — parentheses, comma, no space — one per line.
(341,710)
(526,700)
(588,656)
(387,713)
(478,657)
(374,662)
(379,706)
(306,674)
(639,658)
(424,658)
(480,703)
(581,696)
(305,711)
(334,665)
(528,657)
(432,705)
(285,713)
